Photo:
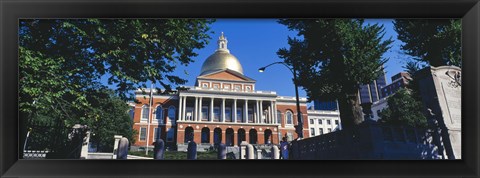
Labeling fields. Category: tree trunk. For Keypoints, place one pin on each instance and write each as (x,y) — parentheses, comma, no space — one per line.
(350,111)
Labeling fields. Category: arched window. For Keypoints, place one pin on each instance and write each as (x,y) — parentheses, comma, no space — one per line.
(171,114)
(188,134)
(158,114)
(279,117)
(144,113)
(205,135)
(289,118)
(253,136)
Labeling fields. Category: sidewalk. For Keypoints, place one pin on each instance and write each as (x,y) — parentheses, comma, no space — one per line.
(137,157)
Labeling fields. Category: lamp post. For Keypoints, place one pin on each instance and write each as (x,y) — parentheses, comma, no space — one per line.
(299,127)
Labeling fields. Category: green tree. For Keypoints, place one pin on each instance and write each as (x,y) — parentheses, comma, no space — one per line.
(113,119)
(434,41)
(403,109)
(62,63)
(334,58)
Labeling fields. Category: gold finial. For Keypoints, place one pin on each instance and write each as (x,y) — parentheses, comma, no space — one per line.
(222,37)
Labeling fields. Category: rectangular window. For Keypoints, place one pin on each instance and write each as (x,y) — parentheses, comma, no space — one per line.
(289,136)
(250,115)
(216,113)
(228,114)
(312,131)
(321,131)
(336,122)
(170,135)
(143,133)
(156,134)
(189,114)
(329,130)
(311,121)
(319,121)
(329,122)
(204,113)
(239,114)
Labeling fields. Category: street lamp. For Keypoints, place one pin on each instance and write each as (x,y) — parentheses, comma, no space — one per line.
(299,127)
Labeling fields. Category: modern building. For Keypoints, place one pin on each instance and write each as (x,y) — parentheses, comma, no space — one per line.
(399,81)
(325,105)
(367,94)
(323,122)
(371,93)
(224,106)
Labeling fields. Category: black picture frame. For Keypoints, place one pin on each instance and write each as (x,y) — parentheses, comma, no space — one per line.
(11,11)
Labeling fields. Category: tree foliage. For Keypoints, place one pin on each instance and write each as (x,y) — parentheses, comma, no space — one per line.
(403,109)
(62,63)
(334,58)
(434,41)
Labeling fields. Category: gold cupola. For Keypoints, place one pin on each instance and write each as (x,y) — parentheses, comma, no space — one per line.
(221,59)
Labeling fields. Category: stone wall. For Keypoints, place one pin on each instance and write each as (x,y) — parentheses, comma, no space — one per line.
(370,141)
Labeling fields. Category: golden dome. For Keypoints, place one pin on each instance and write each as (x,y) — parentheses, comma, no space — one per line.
(221,59)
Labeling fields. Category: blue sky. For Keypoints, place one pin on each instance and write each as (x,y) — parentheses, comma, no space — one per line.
(255,43)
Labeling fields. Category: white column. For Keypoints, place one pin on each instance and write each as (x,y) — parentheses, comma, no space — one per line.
(180,101)
(195,110)
(245,111)
(255,112)
(184,107)
(269,113)
(223,109)
(234,110)
(275,113)
(200,109)
(259,112)
(211,109)
(261,106)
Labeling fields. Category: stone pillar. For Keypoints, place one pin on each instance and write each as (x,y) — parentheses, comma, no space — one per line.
(261,107)
(259,154)
(184,107)
(223,109)
(250,152)
(180,109)
(234,110)
(246,111)
(275,152)
(222,151)
(192,150)
(200,109)
(122,148)
(84,152)
(115,145)
(243,150)
(195,110)
(211,110)
(159,149)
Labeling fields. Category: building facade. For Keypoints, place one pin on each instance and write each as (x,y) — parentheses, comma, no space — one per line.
(399,81)
(223,107)
(323,122)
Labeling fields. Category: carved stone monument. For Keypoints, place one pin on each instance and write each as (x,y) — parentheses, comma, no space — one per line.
(440,89)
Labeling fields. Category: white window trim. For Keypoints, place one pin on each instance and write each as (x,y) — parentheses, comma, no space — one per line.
(286,118)
(140,134)
(154,118)
(142,112)
(174,115)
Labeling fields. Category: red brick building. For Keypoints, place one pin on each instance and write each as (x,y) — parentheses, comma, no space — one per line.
(222,107)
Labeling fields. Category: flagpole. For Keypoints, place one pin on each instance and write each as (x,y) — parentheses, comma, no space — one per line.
(149,117)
